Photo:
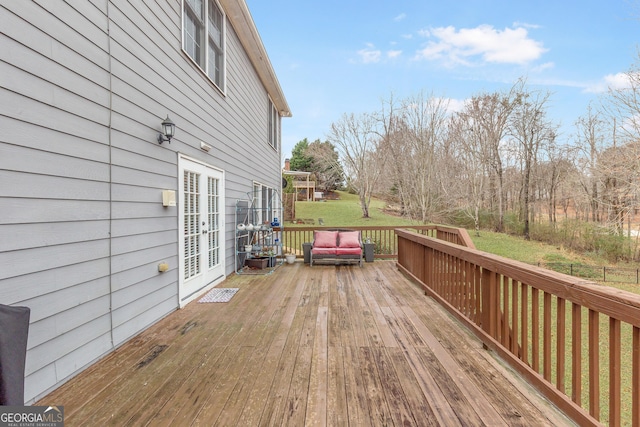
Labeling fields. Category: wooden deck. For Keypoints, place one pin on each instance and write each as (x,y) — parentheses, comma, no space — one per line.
(319,345)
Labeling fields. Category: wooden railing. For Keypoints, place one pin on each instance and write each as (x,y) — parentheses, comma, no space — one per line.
(576,341)
(304,184)
(384,238)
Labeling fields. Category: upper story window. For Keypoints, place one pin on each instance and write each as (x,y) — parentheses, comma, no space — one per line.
(274,126)
(203,37)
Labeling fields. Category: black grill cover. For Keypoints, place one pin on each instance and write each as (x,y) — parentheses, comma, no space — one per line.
(14,329)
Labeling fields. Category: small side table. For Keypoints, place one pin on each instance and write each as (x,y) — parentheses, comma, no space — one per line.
(306,251)
(368,252)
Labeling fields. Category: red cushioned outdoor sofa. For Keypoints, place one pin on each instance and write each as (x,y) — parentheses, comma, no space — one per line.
(336,247)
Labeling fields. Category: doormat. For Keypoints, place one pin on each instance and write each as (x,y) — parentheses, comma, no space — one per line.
(219,295)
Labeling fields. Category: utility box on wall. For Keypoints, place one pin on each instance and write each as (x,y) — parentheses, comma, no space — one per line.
(168,198)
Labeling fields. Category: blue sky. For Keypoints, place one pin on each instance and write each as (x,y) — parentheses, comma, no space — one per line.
(335,57)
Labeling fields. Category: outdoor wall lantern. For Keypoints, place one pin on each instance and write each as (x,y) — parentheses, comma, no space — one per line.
(168,131)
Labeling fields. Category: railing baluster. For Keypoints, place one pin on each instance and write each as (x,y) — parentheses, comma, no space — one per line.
(594,364)
(576,349)
(505,311)
(561,342)
(524,309)
(514,317)
(535,330)
(614,372)
(458,286)
(635,377)
(468,299)
(477,277)
(546,337)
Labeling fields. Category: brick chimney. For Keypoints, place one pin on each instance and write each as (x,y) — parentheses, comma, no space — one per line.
(287,165)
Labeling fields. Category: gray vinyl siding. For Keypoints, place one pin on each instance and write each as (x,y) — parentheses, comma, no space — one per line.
(83,89)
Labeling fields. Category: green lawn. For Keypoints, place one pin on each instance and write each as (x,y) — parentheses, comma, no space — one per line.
(346,212)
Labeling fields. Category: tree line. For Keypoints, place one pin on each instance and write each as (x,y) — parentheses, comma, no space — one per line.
(496,161)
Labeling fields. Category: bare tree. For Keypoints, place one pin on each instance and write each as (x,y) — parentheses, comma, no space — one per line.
(590,139)
(325,164)
(624,104)
(424,127)
(530,128)
(551,173)
(619,170)
(468,163)
(356,139)
(491,112)
(394,149)
(619,163)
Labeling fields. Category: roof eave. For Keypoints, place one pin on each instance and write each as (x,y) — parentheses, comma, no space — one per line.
(240,17)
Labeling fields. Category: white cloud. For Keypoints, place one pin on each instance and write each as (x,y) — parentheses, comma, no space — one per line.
(525,25)
(369,54)
(540,68)
(508,46)
(400,17)
(455,105)
(610,81)
(618,81)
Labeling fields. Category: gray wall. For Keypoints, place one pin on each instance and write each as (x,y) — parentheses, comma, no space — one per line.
(83,89)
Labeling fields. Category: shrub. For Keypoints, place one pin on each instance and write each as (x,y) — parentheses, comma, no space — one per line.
(459,218)
(513,224)
(583,237)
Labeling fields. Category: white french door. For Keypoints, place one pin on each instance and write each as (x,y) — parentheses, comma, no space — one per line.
(201,229)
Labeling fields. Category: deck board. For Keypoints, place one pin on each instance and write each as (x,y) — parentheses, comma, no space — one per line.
(315,346)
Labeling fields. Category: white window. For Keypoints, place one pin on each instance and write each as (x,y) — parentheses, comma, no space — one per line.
(274,126)
(264,203)
(203,37)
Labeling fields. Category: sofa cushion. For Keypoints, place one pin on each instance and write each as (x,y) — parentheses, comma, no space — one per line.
(349,251)
(325,239)
(323,251)
(349,239)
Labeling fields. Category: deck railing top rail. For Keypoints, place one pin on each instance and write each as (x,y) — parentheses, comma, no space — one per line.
(383,237)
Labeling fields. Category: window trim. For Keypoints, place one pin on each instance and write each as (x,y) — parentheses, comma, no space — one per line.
(262,196)
(205,39)
(273,126)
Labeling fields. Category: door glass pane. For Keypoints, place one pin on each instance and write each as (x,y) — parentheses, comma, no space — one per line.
(214,221)
(191,224)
